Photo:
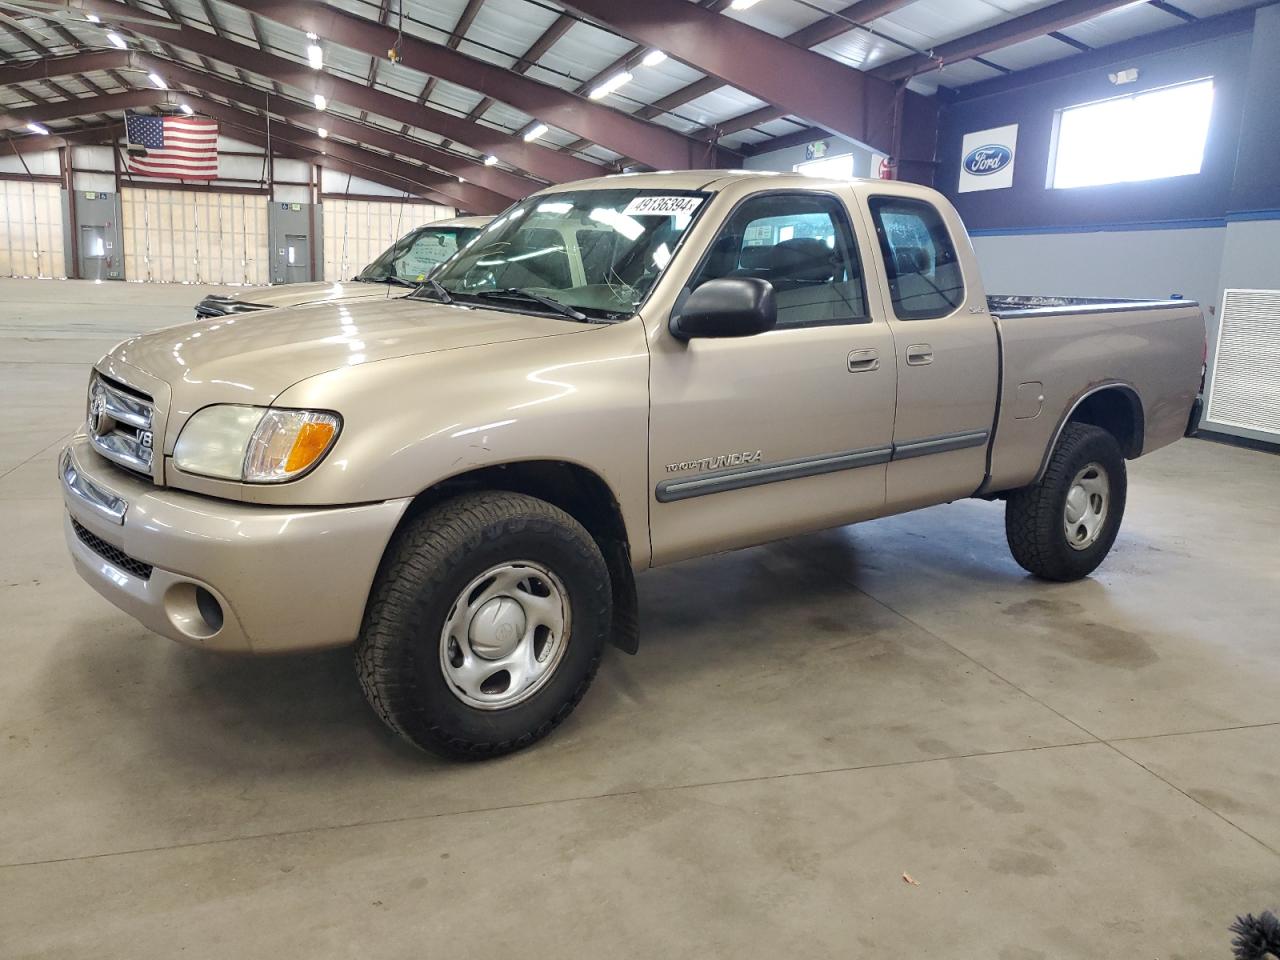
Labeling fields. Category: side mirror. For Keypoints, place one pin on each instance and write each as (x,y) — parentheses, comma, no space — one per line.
(730,307)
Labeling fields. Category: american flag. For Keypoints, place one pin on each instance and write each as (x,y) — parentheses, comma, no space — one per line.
(182,147)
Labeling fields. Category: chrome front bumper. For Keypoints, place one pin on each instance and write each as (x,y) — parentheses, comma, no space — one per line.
(282,578)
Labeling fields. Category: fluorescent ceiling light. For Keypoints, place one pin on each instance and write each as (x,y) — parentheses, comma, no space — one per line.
(93,18)
(320,101)
(186,108)
(315,56)
(116,40)
(323,132)
(38,128)
(743,4)
(610,85)
(535,132)
(490,160)
(653,58)
(157,81)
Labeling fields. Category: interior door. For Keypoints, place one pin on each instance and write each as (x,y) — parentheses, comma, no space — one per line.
(759,437)
(93,251)
(947,356)
(297,259)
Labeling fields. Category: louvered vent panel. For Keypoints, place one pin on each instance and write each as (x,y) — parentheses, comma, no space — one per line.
(1246,372)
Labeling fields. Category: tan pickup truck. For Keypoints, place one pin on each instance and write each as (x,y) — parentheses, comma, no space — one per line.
(616,374)
(399,269)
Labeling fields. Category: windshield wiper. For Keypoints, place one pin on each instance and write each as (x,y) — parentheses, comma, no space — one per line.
(390,278)
(516,293)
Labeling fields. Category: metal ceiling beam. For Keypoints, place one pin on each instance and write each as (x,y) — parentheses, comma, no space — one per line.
(796,139)
(538,160)
(33,43)
(495,185)
(828,28)
(509,185)
(491,184)
(1038,23)
(546,40)
(822,91)
(465,19)
(242,129)
(1173,38)
(648,143)
(634,56)
(844,20)
(470,193)
(80,107)
(57,66)
(319,150)
(285,141)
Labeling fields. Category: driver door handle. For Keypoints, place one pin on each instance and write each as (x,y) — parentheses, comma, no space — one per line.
(919,354)
(864,361)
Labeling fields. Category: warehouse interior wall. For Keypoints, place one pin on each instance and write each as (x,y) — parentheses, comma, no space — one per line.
(1193,236)
(74,212)
(357,230)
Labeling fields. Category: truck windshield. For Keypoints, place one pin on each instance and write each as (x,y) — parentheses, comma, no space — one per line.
(595,254)
(415,255)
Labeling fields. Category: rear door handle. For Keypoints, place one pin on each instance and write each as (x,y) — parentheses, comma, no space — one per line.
(864,361)
(919,354)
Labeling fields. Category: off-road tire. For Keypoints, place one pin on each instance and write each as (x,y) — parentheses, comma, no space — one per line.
(1033,516)
(432,558)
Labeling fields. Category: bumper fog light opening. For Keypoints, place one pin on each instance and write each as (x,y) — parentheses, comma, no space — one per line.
(194,610)
(210,609)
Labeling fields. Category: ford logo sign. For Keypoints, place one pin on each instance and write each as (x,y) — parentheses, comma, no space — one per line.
(987,160)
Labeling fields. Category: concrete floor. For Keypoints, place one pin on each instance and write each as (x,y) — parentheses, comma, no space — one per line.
(1085,770)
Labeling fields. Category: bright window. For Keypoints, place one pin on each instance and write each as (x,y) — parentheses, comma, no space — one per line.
(1147,136)
(828,168)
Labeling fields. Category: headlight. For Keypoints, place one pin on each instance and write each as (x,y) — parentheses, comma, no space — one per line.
(255,444)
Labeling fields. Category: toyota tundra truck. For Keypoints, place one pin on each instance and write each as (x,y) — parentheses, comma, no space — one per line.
(400,268)
(614,375)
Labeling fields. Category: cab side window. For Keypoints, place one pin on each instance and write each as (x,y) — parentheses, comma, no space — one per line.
(923,270)
(803,245)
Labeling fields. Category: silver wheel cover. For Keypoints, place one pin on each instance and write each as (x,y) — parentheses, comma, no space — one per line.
(505,635)
(1087,506)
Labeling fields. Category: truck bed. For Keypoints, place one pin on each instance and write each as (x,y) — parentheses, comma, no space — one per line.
(1149,349)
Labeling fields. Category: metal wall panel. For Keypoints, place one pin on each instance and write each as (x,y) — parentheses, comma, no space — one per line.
(180,236)
(31,229)
(356,231)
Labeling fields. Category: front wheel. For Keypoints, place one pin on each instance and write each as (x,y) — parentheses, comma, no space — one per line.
(485,626)
(1062,527)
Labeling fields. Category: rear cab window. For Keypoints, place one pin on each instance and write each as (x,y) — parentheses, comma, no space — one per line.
(920,260)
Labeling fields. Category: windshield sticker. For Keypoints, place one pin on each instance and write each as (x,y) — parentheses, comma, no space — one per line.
(662,206)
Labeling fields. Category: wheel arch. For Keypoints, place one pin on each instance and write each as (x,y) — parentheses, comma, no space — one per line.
(577,490)
(1114,407)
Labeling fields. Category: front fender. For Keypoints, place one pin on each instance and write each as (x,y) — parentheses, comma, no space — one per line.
(412,422)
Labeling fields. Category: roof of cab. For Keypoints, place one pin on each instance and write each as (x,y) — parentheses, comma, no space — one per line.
(475,222)
(710,180)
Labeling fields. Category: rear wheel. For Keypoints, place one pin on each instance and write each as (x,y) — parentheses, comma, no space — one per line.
(1062,527)
(485,626)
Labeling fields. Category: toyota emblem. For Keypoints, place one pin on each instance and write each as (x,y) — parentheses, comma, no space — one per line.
(98,416)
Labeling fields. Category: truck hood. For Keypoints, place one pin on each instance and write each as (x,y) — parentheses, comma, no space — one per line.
(296,294)
(253,357)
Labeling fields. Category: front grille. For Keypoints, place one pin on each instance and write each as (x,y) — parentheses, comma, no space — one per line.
(120,422)
(113,555)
